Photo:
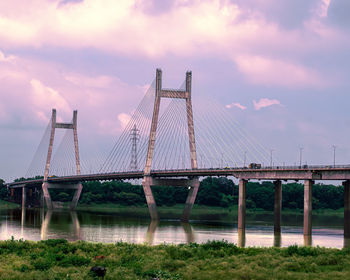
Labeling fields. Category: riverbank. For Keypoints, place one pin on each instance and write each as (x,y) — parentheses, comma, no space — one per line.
(8,205)
(198,210)
(176,210)
(59,259)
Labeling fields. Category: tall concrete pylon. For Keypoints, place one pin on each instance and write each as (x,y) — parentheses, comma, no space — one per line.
(46,185)
(148,181)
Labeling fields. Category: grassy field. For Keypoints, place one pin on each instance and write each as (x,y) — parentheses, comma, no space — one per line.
(59,259)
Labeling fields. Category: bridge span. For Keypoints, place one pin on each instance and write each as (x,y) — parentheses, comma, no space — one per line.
(139,146)
(319,172)
(187,177)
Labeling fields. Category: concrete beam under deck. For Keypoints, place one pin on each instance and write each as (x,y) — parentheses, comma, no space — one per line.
(62,186)
(278,175)
(173,182)
(335,174)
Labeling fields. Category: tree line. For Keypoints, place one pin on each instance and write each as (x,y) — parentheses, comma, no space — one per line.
(213,191)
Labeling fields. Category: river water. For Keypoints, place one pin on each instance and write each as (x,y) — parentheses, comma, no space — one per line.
(35,224)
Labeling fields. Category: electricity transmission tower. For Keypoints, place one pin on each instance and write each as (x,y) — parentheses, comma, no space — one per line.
(134,137)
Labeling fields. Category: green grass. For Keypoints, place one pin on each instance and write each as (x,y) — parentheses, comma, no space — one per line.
(59,259)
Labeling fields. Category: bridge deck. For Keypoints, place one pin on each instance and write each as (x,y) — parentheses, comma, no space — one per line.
(275,173)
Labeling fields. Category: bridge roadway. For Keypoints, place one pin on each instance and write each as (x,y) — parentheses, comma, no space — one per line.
(320,172)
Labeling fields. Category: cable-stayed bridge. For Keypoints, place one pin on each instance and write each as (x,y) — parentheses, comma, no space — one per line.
(167,142)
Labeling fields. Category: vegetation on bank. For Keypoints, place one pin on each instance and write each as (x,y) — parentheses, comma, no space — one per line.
(218,192)
(59,259)
(7,205)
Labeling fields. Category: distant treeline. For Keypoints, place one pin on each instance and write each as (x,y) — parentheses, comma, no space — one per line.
(212,192)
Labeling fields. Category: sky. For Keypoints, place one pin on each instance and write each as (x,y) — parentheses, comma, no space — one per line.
(280,67)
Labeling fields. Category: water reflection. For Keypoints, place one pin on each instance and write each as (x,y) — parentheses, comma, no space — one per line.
(45,225)
(151,230)
(190,238)
(35,224)
(74,231)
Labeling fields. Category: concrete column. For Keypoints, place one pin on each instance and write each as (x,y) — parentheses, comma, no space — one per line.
(307,240)
(190,124)
(241,237)
(24,197)
(152,206)
(277,205)
(154,124)
(346,185)
(308,207)
(52,137)
(47,196)
(191,198)
(241,203)
(76,196)
(277,239)
(76,145)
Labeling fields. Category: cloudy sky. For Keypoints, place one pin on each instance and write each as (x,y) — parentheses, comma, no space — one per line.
(280,67)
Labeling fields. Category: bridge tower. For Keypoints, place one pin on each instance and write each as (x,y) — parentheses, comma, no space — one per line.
(148,181)
(46,185)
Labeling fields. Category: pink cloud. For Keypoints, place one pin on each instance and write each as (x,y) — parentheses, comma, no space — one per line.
(265,102)
(274,72)
(238,105)
(30,89)
(204,27)
(119,26)
(322,9)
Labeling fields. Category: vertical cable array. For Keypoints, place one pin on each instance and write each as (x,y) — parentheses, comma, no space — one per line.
(37,165)
(120,156)
(221,141)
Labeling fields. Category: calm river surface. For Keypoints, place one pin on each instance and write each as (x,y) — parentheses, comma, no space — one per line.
(109,228)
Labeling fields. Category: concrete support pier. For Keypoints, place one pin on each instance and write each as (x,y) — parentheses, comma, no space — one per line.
(308,207)
(307,240)
(277,239)
(76,196)
(191,197)
(46,195)
(346,185)
(151,203)
(241,203)
(277,206)
(24,197)
(241,238)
